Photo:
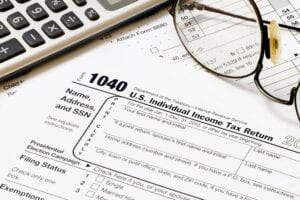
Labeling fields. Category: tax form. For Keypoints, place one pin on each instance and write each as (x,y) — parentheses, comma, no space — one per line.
(152,130)
(156,36)
(144,130)
(159,38)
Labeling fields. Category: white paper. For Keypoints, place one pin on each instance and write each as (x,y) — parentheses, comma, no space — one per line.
(156,36)
(168,135)
(142,149)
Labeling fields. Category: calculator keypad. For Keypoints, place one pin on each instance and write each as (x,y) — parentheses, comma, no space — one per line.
(52,30)
(33,38)
(37,12)
(56,5)
(17,20)
(3,30)
(5,5)
(10,49)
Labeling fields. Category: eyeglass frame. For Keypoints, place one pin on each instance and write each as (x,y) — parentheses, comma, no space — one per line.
(257,71)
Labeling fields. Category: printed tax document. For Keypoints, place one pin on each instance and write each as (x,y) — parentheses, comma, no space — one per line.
(131,128)
(174,132)
(156,36)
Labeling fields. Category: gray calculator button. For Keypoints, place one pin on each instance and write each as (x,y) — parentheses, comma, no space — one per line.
(52,30)
(80,2)
(56,5)
(33,38)
(71,21)
(17,20)
(10,49)
(37,12)
(5,5)
(92,14)
(3,30)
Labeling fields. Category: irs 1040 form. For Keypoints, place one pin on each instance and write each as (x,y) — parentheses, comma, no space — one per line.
(143,130)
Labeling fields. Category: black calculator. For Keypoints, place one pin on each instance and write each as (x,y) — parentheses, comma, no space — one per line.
(34,30)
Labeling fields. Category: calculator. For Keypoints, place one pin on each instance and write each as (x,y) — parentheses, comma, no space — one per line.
(32,31)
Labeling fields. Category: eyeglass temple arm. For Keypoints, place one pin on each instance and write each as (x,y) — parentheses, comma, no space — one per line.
(190,5)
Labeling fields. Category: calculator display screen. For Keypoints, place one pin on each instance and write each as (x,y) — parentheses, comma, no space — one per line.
(115,4)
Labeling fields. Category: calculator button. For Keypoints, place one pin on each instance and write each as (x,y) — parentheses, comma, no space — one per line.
(33,38)
(5,5)
(22,1)
(71,21)
(52,30)
(3,30)
(56,5)
(17,20)
(37,12)
(10,49)
(92,14)
(80,2)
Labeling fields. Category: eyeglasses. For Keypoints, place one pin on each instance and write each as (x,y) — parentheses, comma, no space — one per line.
(229,38)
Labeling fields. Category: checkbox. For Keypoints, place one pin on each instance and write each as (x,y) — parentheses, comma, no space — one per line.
(95,186)
(100,179)
(240,50)
(154,50)
(90,194)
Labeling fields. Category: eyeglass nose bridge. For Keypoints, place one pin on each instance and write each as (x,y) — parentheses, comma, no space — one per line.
(268,95)
(266,42)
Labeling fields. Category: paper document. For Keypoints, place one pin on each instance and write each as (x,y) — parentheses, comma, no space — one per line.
(146,129)
(156,36)
(133,117)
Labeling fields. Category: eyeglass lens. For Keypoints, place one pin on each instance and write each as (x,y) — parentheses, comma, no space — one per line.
(227,45)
